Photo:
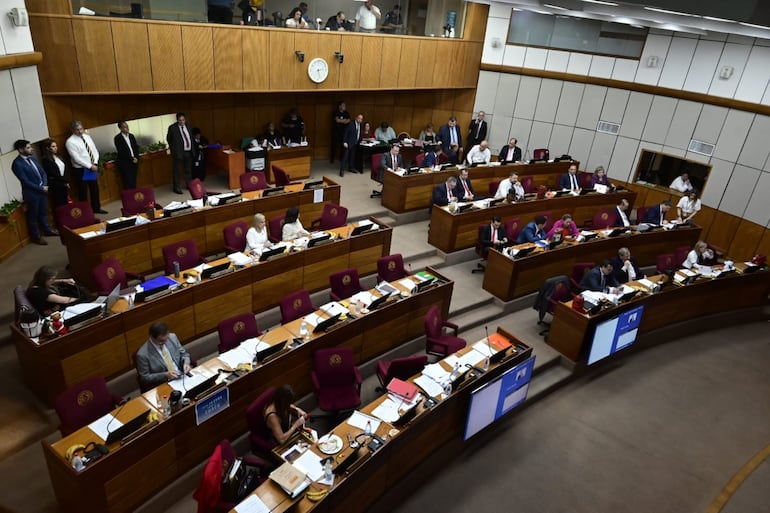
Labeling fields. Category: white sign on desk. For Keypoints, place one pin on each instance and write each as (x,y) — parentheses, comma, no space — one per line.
(318,195)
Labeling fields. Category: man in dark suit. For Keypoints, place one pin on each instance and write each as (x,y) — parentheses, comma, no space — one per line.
(449,134)
(350,145)
(533,231)
(600,278)
(621,217)
(392,160)
(464,189)
(657,214)
(493,236)
(510,152)
(34,191)
(340,121)
(624,268)
(161,359)
(477,130)
(128,155)
(570,180)
(179,142)
(443,193)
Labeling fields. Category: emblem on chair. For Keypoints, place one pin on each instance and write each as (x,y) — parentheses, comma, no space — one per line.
(239,231)
(346,279)
(76,213)
(335,360)
(333,212)
(139,197)
(253,180)
(605,216)
(111,273)
(181,251)
(85,397)
(297,304)
(239,327)
(391,266)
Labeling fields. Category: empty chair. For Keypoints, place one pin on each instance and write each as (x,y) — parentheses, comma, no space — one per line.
(481,251)
(376,174)
(391,268)
(401,368)
(253,181)
(604,218)
(137,201)
(235,330)
(332,216)
(403,135)
(418,159)
(528,184)
(584,179)
(579,269)
(110,273)
(185,252)
(437,341)
(295,305)
(667,262)
(553,290)
(344,284)
(493,185)
(75,215)
(282,178)
(214,494)
(275,228)
(83,403)
(260,436)
(640,213)
(235,236)
(336,379)
(512,228)
(197,189)
(541,154)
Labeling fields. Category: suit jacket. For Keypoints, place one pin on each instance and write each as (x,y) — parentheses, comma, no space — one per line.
(473,139)
(440,196)
(350,134)
(486,235)
(150,364)
(620,275)
(460,191)
(55,180)
(653,215)
(504,154)
(618,218)
(176,141)
(446,138)
(123,151)
(32,180)
(592,280)
(565,182)
(530,233)
(386,161)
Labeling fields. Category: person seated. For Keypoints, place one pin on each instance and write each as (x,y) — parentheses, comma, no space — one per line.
(443,193)
(385,133)
(700,255)
(566,226)
(392,160)
(511,185)
(337,22)
(366,132)
(621,218)
(49,294)
(431,157)
(624,268)
(600,279)
(493,236)
(256,238)
(293,126)
(162,358)
(600,178)
(428,135)
(682,183)
(464,189)
(282,417)
(480,154)
(510,152)
(248,12)
(271,137)
(533,231)
(570,180)
(393,22)
(453,154)
(295,19)
(292,227)
(688,206)
(657,213)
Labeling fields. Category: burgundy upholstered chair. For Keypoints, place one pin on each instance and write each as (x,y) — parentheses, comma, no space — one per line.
(295,305)
(136,201)
(75,215)
(332,216)
(401,368)
(604,218)
(584,179)
(185,252)
(196,188)
(640,213)
(667,262)
(275,228)
(83,403)
(680,254)
(493,186)
(260,436)
(344,284)
(391,268)
(437,342)
(336,379)
(548,220)
(540,154)
(418,159)
(110,273)
(235,236)
(235,330)
(377,174)
(579,269)
(512,229)
(253,181)
(282,178)
(528,184)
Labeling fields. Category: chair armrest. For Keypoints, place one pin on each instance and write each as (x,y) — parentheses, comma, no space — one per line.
(316,223)
(357,372)
(119,401)
(230,249)
(316,384)
(451,325)
(255,461)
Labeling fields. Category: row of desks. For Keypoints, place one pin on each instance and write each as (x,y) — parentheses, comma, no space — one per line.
(132,473)
(106,346)
(139,248)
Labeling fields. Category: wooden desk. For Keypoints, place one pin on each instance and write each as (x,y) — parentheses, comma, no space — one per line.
(364,154)
(453,232)
(139,248)
(507,278)
(134,472)
(413,192)
(571,331)
(230,161)
(295,161)
(375,473)
(105,347)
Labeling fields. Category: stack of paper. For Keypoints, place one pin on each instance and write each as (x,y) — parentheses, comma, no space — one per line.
(236,356)
(313,319)
(407,283)
(252,345)
(333,308)
(359,420)
(435,372)
(431,387)
(252,504)
(291,479)
(104,425)
(364,297)
(239,258)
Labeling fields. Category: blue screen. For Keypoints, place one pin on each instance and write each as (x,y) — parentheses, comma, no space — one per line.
(615,334)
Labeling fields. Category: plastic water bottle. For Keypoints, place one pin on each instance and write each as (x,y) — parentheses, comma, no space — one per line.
(303,330)
(368,429)
(447,389)
(486,362)
(455,372)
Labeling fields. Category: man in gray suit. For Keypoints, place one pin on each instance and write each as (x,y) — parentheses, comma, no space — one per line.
(391,161)
(161,359)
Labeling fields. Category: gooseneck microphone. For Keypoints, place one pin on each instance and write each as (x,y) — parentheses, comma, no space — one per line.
(489,346)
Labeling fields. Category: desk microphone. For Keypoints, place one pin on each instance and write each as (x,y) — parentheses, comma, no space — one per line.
(489,346)
(410,267)
(107,427)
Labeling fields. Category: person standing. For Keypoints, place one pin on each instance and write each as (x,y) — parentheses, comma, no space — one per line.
(449,134)
(293,127)
(85,168)
(393,21)
(162,358)
(34,191)
(56,172)
(128,155)
(199,145)
(367,17)
(350,145)
(180,148)
(477,130)
(340,121)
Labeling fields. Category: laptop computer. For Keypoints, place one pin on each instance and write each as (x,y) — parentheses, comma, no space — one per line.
(346,462)
(459,380)
(91,313)
(214,269)
(127,428)
(201,388)
(150,294)
(628,296)
(463,208)
(313,185)
(495,202)
(267,255)
(590,236)
(524,252)
(229,199)
(272,191)
(119,225)
(361,228)
(265,354)
(555,242)
(412,170)
(326,324)
(315,241)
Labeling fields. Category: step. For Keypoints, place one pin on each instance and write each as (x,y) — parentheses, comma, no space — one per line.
(547,381)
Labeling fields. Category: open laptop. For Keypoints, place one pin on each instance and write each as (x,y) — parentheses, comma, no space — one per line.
(266,354)
(168,212)
(495,202)
(424,284)
(616,231)
(272,191)
(555,241)
(377,302)
(118,225)
(326,324)
(214,269)
(313,185)
(361,228)
(127,428)
(589,236)
(628,296)
(267,255)
(201,388)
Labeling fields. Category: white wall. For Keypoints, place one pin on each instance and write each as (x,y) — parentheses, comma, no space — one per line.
(562,116)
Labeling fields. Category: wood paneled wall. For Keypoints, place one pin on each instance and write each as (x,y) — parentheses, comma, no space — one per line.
(113,55)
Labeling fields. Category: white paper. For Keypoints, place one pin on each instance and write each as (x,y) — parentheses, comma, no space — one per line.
(407,283)
(88,235)
(236,356)
(318,195)
(196,203)
(472,358)
(431,387)
(313,319)
(333,308)
(185,383)
(104,425)
(119,219)
(365,222)
(176,204)
(310,464)
(201,268)
(359,420)
(141,220)
(74,310)
(484,348)
(239,258)
(646,283)
(436,372)
(387,410)
(452,360)
(252,345)
(364,296)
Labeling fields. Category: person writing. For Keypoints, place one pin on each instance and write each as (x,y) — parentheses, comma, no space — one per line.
(392,161)
(292,227)
(565,226)
(600,279)
(162,358)
(48,293)
(624,268)
(493,236)
(533,231)
(256,238)
(384,133)
(657,213)
(295,19)
(688,206)
(282,417)
(428,135)
(443,193)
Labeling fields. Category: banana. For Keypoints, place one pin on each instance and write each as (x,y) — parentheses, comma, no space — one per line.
(316,495)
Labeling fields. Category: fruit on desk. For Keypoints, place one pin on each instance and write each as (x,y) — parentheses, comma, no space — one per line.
(316,495)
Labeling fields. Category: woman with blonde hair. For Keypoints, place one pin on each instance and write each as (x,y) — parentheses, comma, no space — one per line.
(256,238)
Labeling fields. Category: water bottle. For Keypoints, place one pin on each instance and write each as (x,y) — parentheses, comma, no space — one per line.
(176,269)
(303,330)
(486,362)
(368,429)
(447,389)
(455,372)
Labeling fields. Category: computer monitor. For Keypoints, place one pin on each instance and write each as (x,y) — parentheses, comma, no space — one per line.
(424,284)
(230,198)
(273,350)
(118,225)
(463,208)
(361,228)
(524,252)
(70,322)
(322,239)
(268,254)
(614,334)
(147,294)
(326,323)
(272,191)
(127,428)
(377,302)
(201,388)
(313,185)
(206,273)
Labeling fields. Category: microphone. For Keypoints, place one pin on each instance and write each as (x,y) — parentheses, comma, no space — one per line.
(107,427)
(410,267)
(489,346)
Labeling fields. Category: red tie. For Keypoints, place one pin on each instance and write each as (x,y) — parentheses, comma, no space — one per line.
(494,234)
(449,193)
(465,186)
(186,139)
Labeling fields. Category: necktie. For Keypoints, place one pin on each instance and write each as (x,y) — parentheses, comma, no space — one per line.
(37,171)
(187,146)
(449,193)
(453,136)
(128,143)
(358,131)
(465,186)
(573,180)
(494,234)
(170,366)
(602,274)
(478,129)
(88,149)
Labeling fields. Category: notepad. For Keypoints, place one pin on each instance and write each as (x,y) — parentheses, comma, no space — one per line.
(252,504)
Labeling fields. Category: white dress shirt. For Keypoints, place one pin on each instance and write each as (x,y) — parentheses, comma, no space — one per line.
(477,155)
(293,231)
(688,207)
(128,143)
(76,147)
(623,217)
(367,19)
(505,187)
(680,185)
(256,241)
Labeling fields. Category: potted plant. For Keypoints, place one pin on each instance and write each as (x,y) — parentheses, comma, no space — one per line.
(10,211)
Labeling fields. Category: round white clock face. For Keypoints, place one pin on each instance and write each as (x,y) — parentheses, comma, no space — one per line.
(318,70)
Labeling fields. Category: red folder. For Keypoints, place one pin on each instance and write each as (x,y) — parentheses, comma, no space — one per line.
(499,341)
(402,389)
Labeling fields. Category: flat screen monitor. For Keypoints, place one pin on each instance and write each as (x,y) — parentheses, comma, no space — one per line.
(496,398)
(614,334)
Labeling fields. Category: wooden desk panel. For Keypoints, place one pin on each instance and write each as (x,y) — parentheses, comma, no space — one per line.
(507,279)
(295,161)
(453,232)
(232,164)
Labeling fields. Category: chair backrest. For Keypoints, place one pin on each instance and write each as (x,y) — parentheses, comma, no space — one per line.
(235,236)
(666,262)
(334,366)
(209,491)
(403,135)
(376,173)
(136,201)
(83,403)
(528,184)
(295,305)
(20,302)
(541,154)
(680,254)
(196,188)
(333,216)
(275,226)
(640,213)
(579,269)
(235,330)
(185,252)
(479,245)
(405,368)
(433,322)
(282,178)
(513,228)
(561,293)
(75,215)
(253,181)
(603,218)
(442,158)
(255,418)
(418,159)
(345,283)
(108,274)
(585,179)
(391,267)
(493,186)
(548,223)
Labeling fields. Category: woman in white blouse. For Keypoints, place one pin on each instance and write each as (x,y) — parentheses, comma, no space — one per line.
(56,171)
(688,206)
(295,19)
(292,227)
(699,255)
(256,237)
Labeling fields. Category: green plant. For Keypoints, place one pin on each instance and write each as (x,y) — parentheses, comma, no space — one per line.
(160,145)
(8,208)
(109,156)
